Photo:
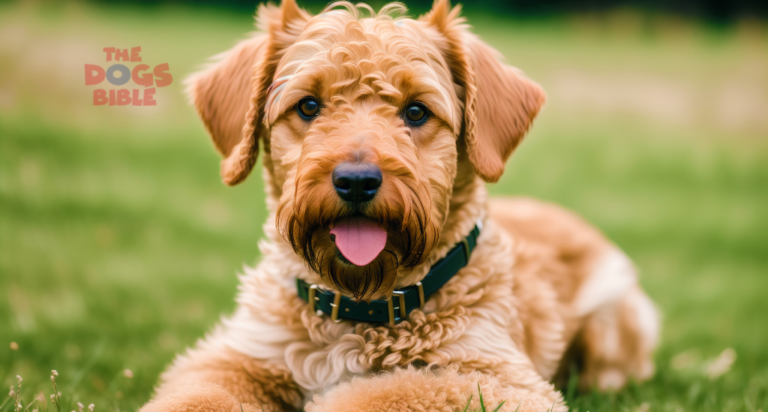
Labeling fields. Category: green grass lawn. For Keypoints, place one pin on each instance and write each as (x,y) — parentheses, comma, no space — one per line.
(119,246)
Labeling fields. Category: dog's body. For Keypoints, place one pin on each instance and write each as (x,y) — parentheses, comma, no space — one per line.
(433,114)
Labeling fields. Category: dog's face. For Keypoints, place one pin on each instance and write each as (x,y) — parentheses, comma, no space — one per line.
(365,121)
(363,139)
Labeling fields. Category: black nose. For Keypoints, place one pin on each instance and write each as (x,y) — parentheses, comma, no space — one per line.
(356,182)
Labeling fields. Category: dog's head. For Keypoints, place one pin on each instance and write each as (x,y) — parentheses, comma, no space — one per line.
(365,122)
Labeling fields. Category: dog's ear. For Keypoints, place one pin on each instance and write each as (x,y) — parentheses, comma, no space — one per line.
(221,93)
(499,101)
(230,95)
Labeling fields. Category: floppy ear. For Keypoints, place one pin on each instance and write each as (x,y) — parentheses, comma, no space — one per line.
(230,95)
(221,94)
(499,101)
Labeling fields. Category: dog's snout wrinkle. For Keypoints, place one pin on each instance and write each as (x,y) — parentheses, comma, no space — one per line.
(356,182)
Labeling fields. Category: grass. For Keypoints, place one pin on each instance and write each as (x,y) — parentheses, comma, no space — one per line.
(482,407)
(119,246)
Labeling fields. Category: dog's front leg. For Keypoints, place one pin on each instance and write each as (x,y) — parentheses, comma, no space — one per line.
(215,379)
(444,390)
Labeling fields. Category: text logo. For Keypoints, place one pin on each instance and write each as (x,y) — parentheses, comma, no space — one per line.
(119,74)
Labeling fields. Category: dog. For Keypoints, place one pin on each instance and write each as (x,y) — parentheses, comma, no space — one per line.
(389,281)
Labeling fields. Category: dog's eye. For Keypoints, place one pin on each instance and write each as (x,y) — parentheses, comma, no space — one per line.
(416,114)
(308,108)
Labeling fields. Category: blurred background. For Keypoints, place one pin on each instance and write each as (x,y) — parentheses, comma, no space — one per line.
(119,246)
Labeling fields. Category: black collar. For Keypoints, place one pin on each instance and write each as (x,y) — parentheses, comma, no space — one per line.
(403,301)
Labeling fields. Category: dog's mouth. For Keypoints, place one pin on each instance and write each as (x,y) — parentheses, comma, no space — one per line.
(359,239)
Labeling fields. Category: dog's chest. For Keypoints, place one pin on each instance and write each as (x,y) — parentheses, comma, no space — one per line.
(320,353)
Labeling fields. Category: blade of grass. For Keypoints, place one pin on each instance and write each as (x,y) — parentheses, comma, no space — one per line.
(500,405)
(30,404)
(96,355)
(482,402)
(573,382)
(552,408)
(468,402)
(2,405)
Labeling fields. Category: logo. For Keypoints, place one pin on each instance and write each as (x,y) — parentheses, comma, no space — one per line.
(143,77)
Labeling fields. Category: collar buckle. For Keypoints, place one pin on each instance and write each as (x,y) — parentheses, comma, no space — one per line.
(335,305)
(400,305)
(465,243)
(312,298)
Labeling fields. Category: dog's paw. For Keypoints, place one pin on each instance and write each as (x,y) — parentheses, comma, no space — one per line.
(207,399)
(430,391)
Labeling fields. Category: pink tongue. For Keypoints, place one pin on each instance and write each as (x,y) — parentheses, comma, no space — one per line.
(359,239)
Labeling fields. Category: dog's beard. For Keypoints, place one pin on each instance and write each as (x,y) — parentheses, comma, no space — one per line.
(362,282)
(411,235)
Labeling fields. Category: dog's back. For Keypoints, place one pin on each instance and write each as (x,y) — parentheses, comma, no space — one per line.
(573,242)
(611,323)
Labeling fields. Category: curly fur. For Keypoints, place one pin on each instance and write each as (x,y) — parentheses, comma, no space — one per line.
(541,289)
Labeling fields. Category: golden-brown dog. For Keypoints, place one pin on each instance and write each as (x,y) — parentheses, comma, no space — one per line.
(378,133)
